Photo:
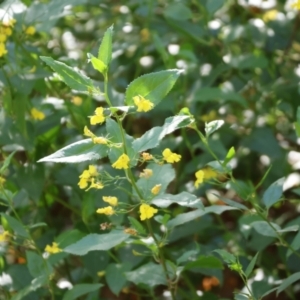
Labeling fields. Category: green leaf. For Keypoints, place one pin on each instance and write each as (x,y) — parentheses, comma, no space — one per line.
(7,162)
(150,275)
(273,193)
(162,174)
(251,265)
(153,87)
(295,244)
(97,64)
(37,265)
(115,276)
(210,262)
(105,49)
(152,137)
(232,203)
(212,126)
(95,241)
(187,256)
(16,226)
(213,5)
(287,282)
(187,217)
(177,11)
(226,256)
(84,150)
(297,123)
(74,79)
(182,199)
(263,228)
(229,156)
(81,289)
(137,225)
(248,61)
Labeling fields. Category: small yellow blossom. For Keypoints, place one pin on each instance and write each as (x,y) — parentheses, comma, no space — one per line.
(270,15)
(145,35)
(212,115)
(296,5)
(100,273)
(130,231)
(147,211)
(4,236)
(30,30)
(7,31)
(3,50)
(83,183)
(95,185)
(77,100)
(113,201)
(147,173)
(122,162)
(87,132)
(3,37)
(2,180)
(147,156)
(142,103)
(98,118)
(37,114)
(86,176)
(100,140)
(92,170)
(209,173)
(200,177)
(108,210)
(156,189)
(171,157)
(53,249)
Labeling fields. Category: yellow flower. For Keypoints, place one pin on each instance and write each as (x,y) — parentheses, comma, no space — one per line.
(145,34)
(122,162)
(7,31)
(2,38)
(98,118)
(296,5)
(113,201)
(77,100)
(171,157)
(53,249)
(86,176)
(83,183)
(108,210)
(142,103)
(156,189)
(147,212)
(100,140)
(2,180)
(200,177)
(147,173)
(37,115)
(4,236)
(92,170)
(209,173)
(30,30)
(100,273)
(147,156)
(96,185)
(3,50)
(87,132)
(270,15)
(209,117)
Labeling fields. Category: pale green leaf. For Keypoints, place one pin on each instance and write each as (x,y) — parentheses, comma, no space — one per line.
(212,126)
(273,193)
(97,63)
(83,150)
(37,265)
(16,226)
(152,137)
(105,49)
(74,79)
(81,289)
(153,87)
(251,265)
(287,282)
(94,241)
(229,156)
(263,228)
(226,256)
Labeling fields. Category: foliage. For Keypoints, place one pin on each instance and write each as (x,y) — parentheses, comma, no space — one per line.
(176,125)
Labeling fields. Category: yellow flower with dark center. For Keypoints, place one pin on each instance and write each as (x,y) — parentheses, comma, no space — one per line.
(296,5)
(156,189)
(147,173)
(142,103)
(37,114)
(171,157)
(98,118)
(147,211)
(199,178)
(106,211)
(53,249)
(30,30)
(4,236)
(122,162)
(113,201)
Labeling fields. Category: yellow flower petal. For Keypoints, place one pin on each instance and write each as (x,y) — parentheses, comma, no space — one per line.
(122,162)
(113,201)
(53,249)
(156,189)
(200,177)
(147,212)
(30,30)
(147,173)
(171,157)
(36,114)
(106,211)
(142,103)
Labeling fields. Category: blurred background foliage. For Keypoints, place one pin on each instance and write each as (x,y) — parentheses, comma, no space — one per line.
(241,62)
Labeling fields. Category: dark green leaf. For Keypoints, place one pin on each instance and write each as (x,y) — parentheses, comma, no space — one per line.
(81,289)
(287,282)
(137,225)
(251,265)
(7,162)
(273,193)
(16,226)
(115,276)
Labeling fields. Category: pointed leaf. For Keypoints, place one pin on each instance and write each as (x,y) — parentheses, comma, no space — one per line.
(84,150)
(226,256)
(295,244)
(251,265)
(95,241)
(74,79)
(16,226)
(7,162)
(153,136)
(263,228)
(81,289)
(287,282)
(137,225)
(105,49)
(97,63)
(273,193)
(153,87)
(37,265)
(229,156)
(212,126)
(210,262)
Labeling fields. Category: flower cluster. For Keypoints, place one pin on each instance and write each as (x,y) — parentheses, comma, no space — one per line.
(108,210)
(89,176)
(142,103)
(204,175)
(5,32)
(98,117)
(170,157)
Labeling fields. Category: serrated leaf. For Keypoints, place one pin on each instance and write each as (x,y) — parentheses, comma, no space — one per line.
(84,150)
(153,87)
(74,79)
(94,241)
(105,49)
(273,193)
(98,64)
(137,225)
(183,199)
(16,226)
(152,137)
(7,162)
(81,289)
(212,126)
(251,265)
(287,282)
(150,275)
